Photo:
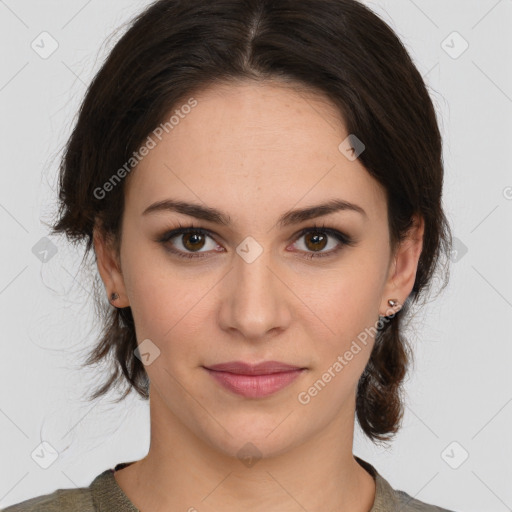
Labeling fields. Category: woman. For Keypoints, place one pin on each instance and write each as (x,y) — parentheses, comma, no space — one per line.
(261,184)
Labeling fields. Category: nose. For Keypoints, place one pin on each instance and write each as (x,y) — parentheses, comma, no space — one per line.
(255,300)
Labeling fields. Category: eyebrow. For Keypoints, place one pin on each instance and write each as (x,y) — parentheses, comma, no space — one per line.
(288,218)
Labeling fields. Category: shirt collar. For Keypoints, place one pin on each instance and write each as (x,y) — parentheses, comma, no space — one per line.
(385,496)
(108,496)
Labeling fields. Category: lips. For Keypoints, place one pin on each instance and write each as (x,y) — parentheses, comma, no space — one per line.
(264,368)
(254,380)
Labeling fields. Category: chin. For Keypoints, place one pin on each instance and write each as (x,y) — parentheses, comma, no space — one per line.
(255,438)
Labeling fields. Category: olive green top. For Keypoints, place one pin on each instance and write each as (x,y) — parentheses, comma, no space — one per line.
(105,495)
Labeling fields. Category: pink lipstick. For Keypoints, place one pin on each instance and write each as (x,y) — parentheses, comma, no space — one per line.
(254,381)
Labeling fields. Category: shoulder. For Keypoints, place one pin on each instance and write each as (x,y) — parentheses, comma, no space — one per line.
(61,500)
(410,504)
(103,494)
(388,499)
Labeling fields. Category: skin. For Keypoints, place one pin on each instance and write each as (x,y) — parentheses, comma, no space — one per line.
(254,151)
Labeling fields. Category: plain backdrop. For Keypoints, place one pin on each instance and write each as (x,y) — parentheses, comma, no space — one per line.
(454,448)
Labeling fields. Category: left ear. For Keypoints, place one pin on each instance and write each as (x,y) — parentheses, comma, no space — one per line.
(402,271)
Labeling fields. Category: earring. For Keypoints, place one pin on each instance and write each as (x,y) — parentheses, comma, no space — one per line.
(393,303)
(114,296)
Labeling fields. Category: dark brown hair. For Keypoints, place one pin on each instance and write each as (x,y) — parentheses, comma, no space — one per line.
(339,48)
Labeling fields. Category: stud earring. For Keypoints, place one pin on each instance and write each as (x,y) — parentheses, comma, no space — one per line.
(114,296)
(393,303)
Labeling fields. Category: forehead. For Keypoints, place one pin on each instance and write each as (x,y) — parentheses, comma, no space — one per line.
(253,147)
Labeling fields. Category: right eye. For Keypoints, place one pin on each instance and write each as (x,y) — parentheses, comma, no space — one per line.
(191,239)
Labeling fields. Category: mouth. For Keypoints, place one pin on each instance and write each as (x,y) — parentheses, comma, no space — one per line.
(254,381)
(264,368)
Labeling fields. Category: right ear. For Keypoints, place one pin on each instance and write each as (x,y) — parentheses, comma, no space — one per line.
(109,267)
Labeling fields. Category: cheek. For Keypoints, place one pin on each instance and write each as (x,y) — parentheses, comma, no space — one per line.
(158,296)
(346,311)
(169,306)
(340,352)
(162,308)
(349,297)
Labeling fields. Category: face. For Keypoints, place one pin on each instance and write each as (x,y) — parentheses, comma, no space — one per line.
(264,284)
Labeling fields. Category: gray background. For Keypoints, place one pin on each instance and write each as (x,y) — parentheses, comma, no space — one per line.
(459,392)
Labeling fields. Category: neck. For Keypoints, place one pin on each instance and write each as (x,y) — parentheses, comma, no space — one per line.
(184,472)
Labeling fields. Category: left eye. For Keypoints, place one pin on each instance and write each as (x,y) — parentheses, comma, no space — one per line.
(318,240)
(193,239)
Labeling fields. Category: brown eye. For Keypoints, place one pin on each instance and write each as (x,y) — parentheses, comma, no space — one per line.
(315,240)
(193,241)
(312,242)
(189,242)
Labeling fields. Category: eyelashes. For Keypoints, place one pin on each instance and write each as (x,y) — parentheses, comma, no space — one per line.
(323,232)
